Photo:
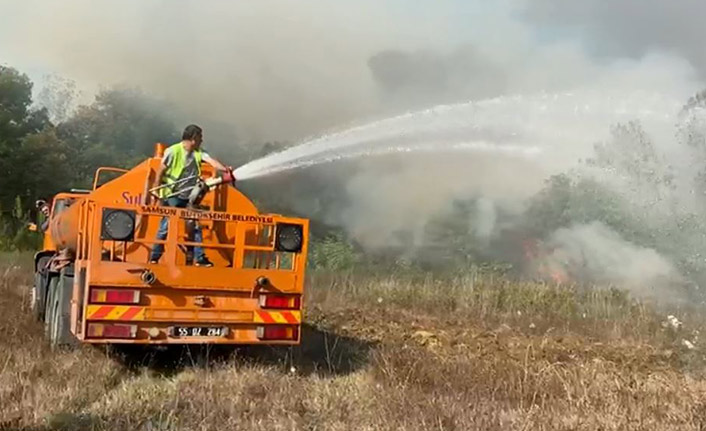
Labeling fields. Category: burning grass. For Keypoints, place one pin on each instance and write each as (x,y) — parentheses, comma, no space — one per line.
(391,352)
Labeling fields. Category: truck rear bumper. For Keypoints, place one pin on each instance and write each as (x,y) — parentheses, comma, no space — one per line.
(190,333)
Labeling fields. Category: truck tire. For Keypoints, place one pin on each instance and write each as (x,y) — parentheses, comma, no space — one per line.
(60,327)
(40,288)
(49,304)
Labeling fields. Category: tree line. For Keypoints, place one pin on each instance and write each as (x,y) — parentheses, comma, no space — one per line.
(49,149)
(46,148)
(40,157)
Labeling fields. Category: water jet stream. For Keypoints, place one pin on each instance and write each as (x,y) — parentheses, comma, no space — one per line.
(517,126)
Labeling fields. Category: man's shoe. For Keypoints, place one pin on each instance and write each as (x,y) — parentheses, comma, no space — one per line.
(204,262)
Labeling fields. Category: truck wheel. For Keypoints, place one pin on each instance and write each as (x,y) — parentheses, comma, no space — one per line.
(61,335)
(39,290)
(49,304)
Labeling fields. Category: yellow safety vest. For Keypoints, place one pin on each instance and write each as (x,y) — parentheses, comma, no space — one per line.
(175,169)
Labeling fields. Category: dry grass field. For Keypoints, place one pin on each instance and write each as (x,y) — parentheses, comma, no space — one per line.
(379,353)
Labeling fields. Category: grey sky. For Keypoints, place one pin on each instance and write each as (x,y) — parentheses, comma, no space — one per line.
(286,70)
(628,27)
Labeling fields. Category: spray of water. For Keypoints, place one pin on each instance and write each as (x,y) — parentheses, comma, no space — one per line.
(517,126)
(509,145)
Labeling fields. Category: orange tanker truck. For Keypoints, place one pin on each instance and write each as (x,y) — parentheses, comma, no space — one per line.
(94,282)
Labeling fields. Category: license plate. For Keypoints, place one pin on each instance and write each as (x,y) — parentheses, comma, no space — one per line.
(198,331)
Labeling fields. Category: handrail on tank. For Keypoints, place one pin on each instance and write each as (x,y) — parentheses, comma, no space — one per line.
(159,149)
(105,169)
(245,254)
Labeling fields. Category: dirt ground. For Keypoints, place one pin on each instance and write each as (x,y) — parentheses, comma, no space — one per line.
(378,353)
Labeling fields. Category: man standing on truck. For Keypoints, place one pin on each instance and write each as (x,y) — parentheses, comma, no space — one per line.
(182,161)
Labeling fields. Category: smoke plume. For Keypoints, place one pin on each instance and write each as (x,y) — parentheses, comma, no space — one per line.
(277,70)
(283,70)
(593,252)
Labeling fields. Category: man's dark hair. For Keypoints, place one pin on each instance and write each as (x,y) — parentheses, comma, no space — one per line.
(191,132)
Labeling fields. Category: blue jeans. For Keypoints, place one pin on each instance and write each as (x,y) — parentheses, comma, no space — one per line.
(164,228)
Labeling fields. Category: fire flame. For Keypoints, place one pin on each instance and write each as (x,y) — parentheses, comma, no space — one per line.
(539,257)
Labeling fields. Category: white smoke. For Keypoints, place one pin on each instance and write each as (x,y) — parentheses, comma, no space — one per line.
(280,70)
(594,252)
(285,70)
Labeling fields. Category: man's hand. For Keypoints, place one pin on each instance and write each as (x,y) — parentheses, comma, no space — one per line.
(229,175)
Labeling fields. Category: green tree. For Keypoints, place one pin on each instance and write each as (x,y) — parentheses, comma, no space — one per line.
(44,159)
(17,121)
(631,156)
(566,200)
(16,118)
(448,237)
(691,132)
(119,128)
(334,253)
(58,96)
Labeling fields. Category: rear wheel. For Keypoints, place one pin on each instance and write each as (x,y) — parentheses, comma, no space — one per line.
(60,325)
(40,288)
(49,304)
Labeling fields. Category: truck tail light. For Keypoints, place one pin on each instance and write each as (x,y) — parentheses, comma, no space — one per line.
(292,302)
(278,333)
(115,296)
(109,330)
